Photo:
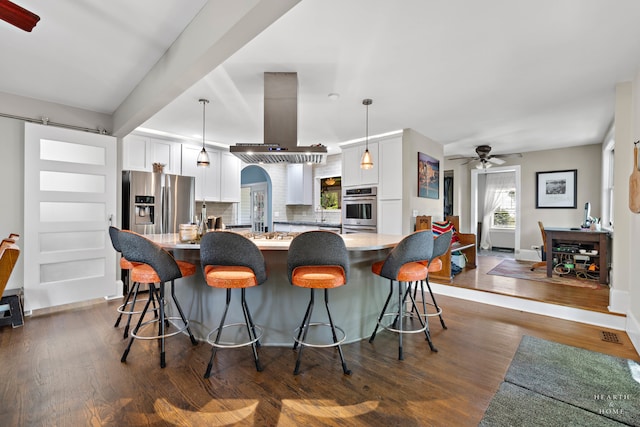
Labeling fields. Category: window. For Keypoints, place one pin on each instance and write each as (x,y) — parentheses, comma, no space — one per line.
(331,193)
(505,215)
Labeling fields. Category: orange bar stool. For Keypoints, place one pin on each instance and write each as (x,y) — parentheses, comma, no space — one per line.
(318,260)
(404,265)
(231,261)
(156,265)
(129,305)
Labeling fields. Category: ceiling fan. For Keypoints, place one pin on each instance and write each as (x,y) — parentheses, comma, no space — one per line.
(484,157)
(18,16)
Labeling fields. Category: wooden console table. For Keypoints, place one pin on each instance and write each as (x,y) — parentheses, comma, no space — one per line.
(579,239)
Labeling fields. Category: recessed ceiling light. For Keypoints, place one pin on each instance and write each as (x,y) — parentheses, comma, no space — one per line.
(333,96)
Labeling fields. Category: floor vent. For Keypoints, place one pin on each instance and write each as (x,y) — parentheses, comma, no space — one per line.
(610,337)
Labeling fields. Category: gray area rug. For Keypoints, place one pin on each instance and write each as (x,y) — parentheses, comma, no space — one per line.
(548,381)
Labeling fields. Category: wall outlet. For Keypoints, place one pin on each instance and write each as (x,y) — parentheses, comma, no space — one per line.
(276,214)
(535,247)
(414,213)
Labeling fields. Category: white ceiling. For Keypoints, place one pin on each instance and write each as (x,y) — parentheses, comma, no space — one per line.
(517,75)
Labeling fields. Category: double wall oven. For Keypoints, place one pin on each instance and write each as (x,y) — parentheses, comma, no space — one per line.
(359,210)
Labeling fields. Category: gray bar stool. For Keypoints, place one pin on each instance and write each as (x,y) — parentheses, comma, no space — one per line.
(318,260)
(441,245)
(231,261)
(128,307)
(405,265)
(156,265)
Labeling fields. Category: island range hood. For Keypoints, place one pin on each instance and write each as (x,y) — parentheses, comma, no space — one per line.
(280,127)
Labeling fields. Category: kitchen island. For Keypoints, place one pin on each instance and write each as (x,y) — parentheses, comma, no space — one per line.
(278,306)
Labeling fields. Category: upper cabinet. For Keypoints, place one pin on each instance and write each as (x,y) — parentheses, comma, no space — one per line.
(229,177)
(352,174)
(220,182)
(299,184)
(391,169)
(141,152)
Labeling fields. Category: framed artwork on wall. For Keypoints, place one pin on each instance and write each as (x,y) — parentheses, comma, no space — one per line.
(557,189)
(428,176)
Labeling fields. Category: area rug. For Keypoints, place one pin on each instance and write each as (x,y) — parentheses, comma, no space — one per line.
(551,384)
(522,270)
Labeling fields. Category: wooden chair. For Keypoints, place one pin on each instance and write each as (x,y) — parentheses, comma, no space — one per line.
(543,249)
(9,253)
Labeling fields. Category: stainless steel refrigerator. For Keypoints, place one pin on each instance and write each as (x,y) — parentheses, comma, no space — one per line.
(154,203)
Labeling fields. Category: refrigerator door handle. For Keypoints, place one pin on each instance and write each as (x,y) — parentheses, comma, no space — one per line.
(164,199)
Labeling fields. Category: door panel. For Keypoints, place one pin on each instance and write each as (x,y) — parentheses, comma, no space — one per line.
(70,198)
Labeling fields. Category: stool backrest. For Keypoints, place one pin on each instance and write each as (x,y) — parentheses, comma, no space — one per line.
(317,248)
(226,248)
(441,245)
(137,248)
(417,246)
(113,233)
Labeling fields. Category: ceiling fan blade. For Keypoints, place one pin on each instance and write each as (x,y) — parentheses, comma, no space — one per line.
(508,155)
(495,160)
(18,16)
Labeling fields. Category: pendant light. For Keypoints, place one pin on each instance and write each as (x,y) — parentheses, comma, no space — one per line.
(367,160)
(203,157)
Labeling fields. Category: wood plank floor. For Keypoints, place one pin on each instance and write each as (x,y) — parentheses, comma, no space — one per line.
(571,296)
(63,369)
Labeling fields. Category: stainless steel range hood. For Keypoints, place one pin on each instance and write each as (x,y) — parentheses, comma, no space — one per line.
(280,127)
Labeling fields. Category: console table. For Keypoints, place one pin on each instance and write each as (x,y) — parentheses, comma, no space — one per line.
(574,240)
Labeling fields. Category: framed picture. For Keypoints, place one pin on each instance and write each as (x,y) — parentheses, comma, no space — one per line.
(428,177)
(557,189)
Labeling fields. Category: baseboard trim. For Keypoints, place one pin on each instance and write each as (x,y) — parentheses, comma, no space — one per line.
(633,330)
(610,321)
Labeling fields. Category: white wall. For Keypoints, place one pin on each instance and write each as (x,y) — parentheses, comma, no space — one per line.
(412,143)
(12,155)
(586,159)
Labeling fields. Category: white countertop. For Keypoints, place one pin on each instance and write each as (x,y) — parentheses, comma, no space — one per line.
(354,242)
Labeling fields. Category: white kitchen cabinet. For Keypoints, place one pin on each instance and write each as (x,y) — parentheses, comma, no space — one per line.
(220,182)
(229,177)
(352,174)
(391,169)
(299,184)
(390,216)
(207,179)
(141,152)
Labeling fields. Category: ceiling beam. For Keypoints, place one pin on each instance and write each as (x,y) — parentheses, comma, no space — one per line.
(220,29)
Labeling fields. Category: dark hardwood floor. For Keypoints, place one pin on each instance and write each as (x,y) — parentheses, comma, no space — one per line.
(63,368)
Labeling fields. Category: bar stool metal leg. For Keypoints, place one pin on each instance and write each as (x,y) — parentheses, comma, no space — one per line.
(384,309)
(304,328)
(251,330)
(346,370)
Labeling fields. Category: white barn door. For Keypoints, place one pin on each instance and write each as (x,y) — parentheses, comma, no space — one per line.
(69,202)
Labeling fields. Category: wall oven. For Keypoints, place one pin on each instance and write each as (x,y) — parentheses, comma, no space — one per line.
(359,210)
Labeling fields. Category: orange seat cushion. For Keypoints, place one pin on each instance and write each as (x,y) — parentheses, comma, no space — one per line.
(318,276)
(127,265)
(409,272)
(144,273)
(229,276)
(436,265)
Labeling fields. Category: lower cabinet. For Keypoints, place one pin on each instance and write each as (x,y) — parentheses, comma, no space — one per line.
(390,216)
